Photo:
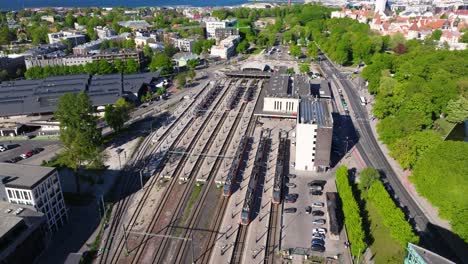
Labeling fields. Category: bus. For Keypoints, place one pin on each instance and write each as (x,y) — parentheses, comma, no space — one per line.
(363,101)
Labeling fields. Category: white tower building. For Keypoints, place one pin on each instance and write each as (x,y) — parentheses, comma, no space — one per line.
(380,6)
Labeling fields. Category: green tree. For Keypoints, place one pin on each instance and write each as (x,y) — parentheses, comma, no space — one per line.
(368,176)
(312,50)
(295,51)
(116,115)
(243,46)
(161,62)
(193,63)
(181,79)
(408,150)
(131,66)
(79,134)
(436,34)
(351,211)
(147,51)
(304,68)
(457,110)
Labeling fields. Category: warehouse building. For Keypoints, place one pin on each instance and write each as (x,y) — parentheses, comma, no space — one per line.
(35,186)
(23,233)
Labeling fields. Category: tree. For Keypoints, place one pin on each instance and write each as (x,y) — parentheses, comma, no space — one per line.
(131,66)
(304,68)
(193,63)
(436,34)
(181,79)
(191,74)
(116,115)
(440,176)
(312,50)
(78,132)
(161,62)
(408,150)
(368,176)
(457,110)
(147,51)
(243,46)
(295,51)
(351,211)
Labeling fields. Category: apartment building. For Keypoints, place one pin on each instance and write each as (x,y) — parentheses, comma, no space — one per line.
(211,26)
(35,186)
(73,37)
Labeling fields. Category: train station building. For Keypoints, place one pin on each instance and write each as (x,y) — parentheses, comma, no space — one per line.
(308,102)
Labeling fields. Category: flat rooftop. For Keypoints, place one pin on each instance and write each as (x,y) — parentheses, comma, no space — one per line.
(428,256)
(8,220)
(22,175)
(279,86)
(314,111)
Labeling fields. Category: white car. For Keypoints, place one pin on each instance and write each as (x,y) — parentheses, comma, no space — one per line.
(318,204)
(2,148)
(319,231)
(24,156)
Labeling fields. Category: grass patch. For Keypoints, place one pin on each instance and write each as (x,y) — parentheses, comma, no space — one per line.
(384,248)
(193,197)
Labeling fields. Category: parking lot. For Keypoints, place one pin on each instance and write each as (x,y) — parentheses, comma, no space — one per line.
(18,147)
(297,227)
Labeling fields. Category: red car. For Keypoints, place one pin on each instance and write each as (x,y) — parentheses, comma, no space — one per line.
(28,153)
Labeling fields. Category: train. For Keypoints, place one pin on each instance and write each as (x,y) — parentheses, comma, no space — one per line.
(235,166)
(279,172)
(235,95)
(208,98)
(249,94)
(249,200)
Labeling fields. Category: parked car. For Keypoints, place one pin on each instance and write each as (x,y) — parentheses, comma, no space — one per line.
(290,200)
(291,196)
(318,193)
(318,213)
(8,161)
(16,159)
(290,210)
(292,176)
(37,150)
(2,148)
(317,248)
(24,156)
(28,153)
(318,236)
(317,182)
(290,185)
(318,204)
(316,188)
(308,210)
(318,222)
(317,241)
(319,231)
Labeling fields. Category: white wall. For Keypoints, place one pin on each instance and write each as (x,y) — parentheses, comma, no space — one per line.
(282,105)
(305,146)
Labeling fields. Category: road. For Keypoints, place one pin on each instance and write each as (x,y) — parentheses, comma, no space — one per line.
(371,153)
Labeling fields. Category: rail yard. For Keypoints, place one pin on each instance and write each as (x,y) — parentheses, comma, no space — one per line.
(188,178)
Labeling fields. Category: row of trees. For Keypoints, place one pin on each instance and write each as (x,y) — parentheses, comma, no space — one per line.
(352,215)
(98,67)
(393,218)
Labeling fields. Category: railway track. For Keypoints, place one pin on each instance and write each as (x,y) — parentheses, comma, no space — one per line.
(219,215)
(130,183)
(126,189)
(196,217)
(177,193)
(239,246)
(273,238)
